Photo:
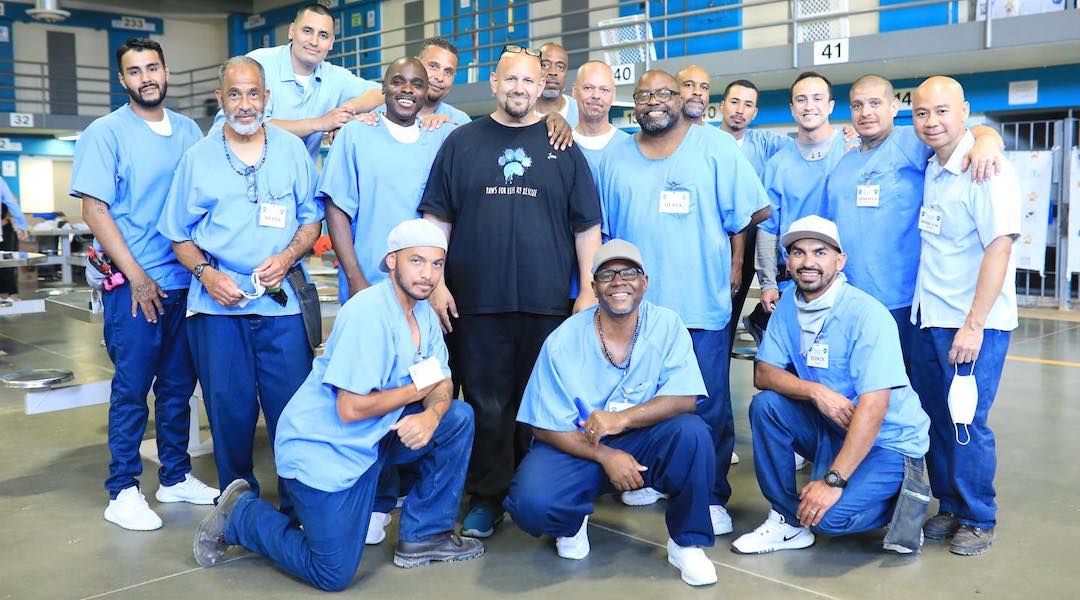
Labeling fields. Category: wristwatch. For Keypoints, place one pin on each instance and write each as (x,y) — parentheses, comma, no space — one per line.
(197,271)
(833,479)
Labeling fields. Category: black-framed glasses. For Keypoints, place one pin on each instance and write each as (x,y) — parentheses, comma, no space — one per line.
(627,274)
(251,176)
(515,49)
(662,95)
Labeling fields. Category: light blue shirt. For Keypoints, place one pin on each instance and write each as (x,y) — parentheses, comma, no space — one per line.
(329,87)
(594,154)
(572,369)
(457,116)
(8,198)
(686,254)
(125,164)
(881,242)
(759,146)
(796,186)
(370,349)
(569,111)
(972,216)
(378,182)
(864,356)
(209,204)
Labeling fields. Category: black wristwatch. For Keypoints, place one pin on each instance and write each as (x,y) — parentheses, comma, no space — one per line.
(197,271)
(833,479)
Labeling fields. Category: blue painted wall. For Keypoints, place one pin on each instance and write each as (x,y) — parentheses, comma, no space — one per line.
(34,146)
(7,68)
(505,30)
(705,22)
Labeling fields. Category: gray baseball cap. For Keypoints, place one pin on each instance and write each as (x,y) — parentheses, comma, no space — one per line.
(815,227)
(617,250)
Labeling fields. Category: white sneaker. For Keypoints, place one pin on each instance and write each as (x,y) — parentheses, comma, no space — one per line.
(721,520)
(642,497)
(577,546)
(774,534)
(800,462)
(693,565)
(734,458)
(130,511)
(376,529)
(189,490)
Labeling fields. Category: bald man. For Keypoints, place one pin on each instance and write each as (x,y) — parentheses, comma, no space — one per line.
(879,188)
(694,83)
(520,216)
(965,308)
(555,63)
(594,91)
(677,193)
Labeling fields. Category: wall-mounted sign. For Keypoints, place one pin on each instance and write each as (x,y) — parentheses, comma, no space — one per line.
(6,145)
(254,21)
(134,24)
(21,120)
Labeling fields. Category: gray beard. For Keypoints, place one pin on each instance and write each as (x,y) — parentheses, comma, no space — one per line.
(693,113)
(245,130)
(550,94)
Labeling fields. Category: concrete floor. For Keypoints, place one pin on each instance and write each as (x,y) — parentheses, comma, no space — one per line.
(55,544)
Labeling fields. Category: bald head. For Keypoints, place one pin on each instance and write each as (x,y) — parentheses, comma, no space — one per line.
(594,90)
(873,109)
(694,84)
(938,110)
(655,114)
(405,88)
(515,85)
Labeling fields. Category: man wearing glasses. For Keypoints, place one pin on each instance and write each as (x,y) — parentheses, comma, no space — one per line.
(678,192)
(124,163)
(611,402)
(241,214)
(520,216)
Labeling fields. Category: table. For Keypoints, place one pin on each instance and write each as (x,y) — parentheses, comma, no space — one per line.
(9,259)
(66,259)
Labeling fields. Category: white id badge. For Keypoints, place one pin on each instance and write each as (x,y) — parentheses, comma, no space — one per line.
(272,214)
(675,202)
(617,406)
(930,220)
(868,195)
(426,372)
(818,356)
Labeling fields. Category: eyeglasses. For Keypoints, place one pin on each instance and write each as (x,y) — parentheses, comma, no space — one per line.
(662,95)
(251,176)
(627,274)
(515,49)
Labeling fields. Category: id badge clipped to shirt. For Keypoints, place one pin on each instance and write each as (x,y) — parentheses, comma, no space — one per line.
(674,202)
(868,195)
(930,220)
(818,356)
(426,372)
(272,213)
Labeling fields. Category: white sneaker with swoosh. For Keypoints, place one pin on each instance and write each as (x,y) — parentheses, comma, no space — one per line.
(774,534)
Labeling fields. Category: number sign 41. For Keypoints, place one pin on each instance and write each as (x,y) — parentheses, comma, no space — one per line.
(828,52)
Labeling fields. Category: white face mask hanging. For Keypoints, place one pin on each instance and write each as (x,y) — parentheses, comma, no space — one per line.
(963,399)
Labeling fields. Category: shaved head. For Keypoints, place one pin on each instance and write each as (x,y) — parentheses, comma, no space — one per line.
(594,91)
(516,86)
(938,111)
(694,83)
(874,80)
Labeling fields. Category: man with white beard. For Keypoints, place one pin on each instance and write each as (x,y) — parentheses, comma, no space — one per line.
(241,215)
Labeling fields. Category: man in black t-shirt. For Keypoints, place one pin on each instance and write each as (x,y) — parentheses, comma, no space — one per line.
(520,215)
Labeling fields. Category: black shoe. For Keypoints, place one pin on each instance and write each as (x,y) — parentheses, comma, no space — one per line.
(444,547)
(972,541)
(940,526)
(209,545)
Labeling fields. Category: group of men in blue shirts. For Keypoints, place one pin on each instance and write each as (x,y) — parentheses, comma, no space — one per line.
(210,232)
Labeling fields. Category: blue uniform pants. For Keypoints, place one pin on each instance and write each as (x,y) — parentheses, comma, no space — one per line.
(713,357)
(243,362)
(553,492)
(147,355)
(781,425)
(327,551)
(961,477)
(908,335)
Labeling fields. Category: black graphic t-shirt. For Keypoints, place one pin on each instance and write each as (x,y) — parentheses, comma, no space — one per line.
(514,202)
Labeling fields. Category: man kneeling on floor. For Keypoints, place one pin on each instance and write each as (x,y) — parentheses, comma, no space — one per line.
(834,390)
(379,395)
(611,403)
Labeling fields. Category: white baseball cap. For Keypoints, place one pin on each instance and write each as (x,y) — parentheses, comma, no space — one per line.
(815,227)
(411,234)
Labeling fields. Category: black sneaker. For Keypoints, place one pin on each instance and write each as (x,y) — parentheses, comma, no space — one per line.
(972,541)
(940,526)
(209,545)
(444,547)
